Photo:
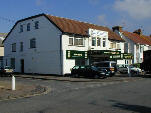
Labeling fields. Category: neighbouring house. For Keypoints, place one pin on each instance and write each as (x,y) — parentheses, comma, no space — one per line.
(48,44)
(146,65)
(136,43)
(2,36)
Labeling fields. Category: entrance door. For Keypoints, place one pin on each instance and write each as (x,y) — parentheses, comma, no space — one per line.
(22,65)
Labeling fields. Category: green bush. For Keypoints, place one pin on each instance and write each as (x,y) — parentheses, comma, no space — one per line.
(136,65)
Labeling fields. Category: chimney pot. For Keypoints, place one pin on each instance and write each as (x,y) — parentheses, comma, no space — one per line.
(118,28)
(138,31)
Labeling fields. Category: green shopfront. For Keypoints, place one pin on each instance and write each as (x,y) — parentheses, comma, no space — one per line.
(89,57)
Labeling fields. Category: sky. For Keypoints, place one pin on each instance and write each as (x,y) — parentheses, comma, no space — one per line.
(130,14)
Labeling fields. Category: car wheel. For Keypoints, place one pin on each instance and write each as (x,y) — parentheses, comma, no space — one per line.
(96,76)
(75,75)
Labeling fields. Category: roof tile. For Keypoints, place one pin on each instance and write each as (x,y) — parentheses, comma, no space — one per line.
(136,38)
(80,28)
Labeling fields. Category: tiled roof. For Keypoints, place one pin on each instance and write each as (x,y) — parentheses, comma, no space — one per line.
(80,28)
(72,26)
(148,38)
(137,38)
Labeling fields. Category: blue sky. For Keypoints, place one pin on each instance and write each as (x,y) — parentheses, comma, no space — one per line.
(131,14)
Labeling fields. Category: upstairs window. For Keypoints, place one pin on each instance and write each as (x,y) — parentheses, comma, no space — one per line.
(28,27)
(21,28)
(98,42)
(33,43)
(21,46)
(14,47)
(118,46)
(104,42)
(37,25)
(70,41)
(93,41)
(112,45)
(79,41)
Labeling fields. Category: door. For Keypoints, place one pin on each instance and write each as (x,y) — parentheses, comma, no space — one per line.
(22,65)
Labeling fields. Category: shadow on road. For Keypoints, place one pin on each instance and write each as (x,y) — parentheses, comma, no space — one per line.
(132,108)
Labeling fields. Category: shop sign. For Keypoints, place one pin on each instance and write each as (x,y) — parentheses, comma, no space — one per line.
(106,52)
(126,56)
(73,54)
(115,56)
(98,33)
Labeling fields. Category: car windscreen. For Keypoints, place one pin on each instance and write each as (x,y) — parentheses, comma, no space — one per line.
(113,64)
(76,67)
(94,68)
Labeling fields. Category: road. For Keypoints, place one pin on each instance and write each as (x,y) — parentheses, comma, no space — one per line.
(84,97)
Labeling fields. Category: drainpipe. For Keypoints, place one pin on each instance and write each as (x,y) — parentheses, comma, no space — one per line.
(61,56)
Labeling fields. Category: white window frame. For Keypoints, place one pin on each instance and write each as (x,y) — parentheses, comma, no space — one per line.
(36,24)
(104,40)
(21,28)
(78,41)
(32,43)
(94,44)
(71,38)
(14,47)
(98,40)
(28,27)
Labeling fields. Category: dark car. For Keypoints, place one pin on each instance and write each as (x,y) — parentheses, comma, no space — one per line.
(88,71)
(110,66)
(1,71)
(6,71)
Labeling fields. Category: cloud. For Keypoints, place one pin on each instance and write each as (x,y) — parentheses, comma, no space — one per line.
(137,9)
(102,19)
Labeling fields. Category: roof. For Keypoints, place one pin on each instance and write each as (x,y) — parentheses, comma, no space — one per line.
(72,26)
(3,35)
(137,38)
(80,28)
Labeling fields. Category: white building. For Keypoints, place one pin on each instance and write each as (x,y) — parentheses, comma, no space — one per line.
(135,43)
(47,44)
(2,35)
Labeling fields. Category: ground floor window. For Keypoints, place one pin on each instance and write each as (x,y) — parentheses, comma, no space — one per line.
(80,62)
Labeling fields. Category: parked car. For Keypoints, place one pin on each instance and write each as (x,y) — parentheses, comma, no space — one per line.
(1,70)
(88,71)
(133,70)
(6,71)
(123,69)
(110,66)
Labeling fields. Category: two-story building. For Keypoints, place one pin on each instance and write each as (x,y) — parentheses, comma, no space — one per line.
(135,43)
(48,44)
(2,35)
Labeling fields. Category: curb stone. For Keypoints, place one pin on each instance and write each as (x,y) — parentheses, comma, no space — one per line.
(46,91)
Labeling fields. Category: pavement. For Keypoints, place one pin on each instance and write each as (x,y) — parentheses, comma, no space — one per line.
(21,90)
(117,77)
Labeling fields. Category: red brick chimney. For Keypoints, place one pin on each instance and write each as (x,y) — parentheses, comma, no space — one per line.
(138,31)
(118,28)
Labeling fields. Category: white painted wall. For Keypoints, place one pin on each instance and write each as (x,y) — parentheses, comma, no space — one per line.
(45,58)
(1,51)
(69,63)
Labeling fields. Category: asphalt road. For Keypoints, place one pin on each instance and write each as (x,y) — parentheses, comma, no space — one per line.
(74,97)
